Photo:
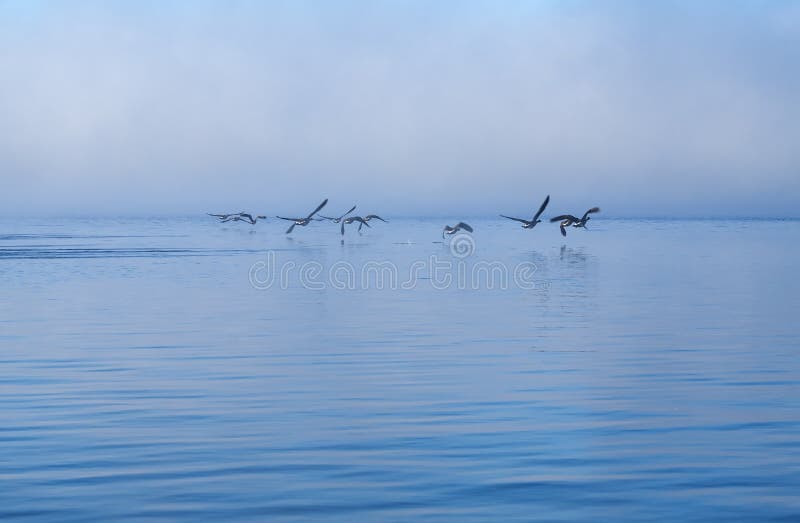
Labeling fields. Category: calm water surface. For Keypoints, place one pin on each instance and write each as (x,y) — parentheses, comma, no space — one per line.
(647,370)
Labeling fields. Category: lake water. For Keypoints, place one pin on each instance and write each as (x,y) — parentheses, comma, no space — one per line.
(183,370)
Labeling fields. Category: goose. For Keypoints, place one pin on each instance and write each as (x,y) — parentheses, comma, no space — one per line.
(361,222)
(453,230)
(224,216)
(243,217)
(238,217)
(337,220)
(303,221)
(530,224)
(568,219)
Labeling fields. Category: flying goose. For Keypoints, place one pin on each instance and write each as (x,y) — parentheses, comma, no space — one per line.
(303,221)
(224,216)
(361,222)
(568,219)
(337,220)
(453,230)
(238,217)
(243,217)
(526,224)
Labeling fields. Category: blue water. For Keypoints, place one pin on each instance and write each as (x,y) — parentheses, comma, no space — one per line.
(642,371)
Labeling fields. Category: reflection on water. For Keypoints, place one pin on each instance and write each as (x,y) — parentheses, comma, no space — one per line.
(653,375)
(572,255)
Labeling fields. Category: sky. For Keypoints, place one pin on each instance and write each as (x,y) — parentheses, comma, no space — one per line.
(463,108)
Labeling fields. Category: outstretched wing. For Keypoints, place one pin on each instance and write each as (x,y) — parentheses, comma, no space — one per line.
(353,208)
(462,225)
(326,217)
(289,219)
(320,206)
(563,230)
(564,217)
(343,222)
(542,208)
(590,211)
(371,216)
(515,219)
(220,216)
(290,229)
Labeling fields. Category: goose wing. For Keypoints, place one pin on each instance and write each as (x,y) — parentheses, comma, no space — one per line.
(563,230)
(371,216)
(542,208)
(290,219)
(564,217)
(353,208)
(462,225)
(590,211)
(290,229)
(358,219)
(515,219)
(320,206)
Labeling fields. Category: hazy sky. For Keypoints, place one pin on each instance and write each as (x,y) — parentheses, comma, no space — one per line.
(465,108)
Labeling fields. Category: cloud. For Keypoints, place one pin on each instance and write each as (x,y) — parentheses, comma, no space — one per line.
(459,107)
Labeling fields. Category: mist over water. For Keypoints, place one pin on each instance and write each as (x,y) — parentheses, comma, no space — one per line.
(461,108)
(650,374)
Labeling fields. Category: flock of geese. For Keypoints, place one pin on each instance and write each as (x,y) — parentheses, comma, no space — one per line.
(344,219)
(565,220)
